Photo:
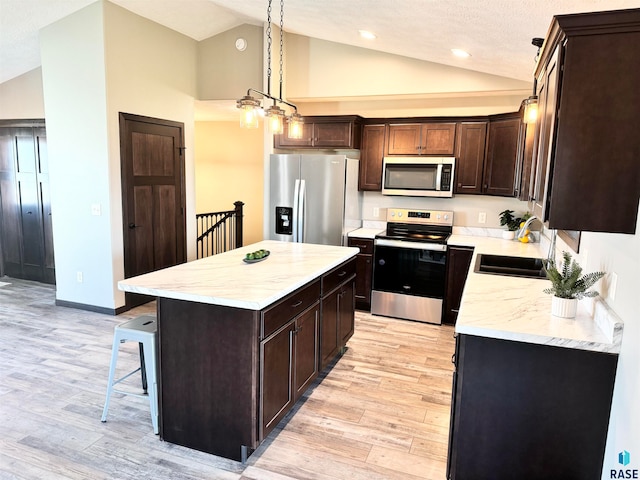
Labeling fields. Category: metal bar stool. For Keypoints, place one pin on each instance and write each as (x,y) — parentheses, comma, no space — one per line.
(144,330)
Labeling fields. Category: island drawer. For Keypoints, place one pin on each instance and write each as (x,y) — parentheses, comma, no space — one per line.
(289,307)
(338,275)
(364,244)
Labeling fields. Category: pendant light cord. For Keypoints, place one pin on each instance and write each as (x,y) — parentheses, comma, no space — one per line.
(269,48)
(281,40)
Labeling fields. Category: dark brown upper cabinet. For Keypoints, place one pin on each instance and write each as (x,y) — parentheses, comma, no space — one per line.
(371,155)
(587,143)
(344,131)
(500,167)
(421,139)
(470,154)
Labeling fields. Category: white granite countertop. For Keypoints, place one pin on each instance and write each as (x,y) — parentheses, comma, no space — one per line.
(513,308)
(369,233)
(225,279)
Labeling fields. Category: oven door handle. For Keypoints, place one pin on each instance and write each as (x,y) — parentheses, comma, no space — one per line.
(437,247)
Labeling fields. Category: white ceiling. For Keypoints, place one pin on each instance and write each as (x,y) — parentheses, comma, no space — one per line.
(497,33)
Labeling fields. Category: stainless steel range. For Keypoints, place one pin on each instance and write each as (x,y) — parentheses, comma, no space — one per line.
(410,265)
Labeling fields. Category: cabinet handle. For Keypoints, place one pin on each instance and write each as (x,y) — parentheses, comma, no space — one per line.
(342,273)
(453,358)
(132,225)
(297,304)
(454,310)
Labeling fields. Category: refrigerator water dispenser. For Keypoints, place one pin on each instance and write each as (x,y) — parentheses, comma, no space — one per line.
(284,220)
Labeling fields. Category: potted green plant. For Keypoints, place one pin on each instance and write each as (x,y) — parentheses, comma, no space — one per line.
(507,219)
(568,285)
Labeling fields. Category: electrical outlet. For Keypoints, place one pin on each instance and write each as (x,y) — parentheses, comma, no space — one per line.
(376,212)
(482,217)
(96,209)
(79,277)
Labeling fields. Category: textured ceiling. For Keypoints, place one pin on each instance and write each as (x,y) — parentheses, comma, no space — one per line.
(497,33)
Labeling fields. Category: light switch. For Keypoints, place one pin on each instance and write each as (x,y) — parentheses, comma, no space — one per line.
(96,209)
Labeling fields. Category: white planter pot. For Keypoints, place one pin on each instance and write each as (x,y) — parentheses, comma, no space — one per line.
(508,235)
(564,307)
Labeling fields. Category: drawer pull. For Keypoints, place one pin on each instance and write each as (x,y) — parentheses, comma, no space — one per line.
(453,358)
(297,304)
(342,273)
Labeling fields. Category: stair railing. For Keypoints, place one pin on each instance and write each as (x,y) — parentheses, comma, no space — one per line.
(219,231)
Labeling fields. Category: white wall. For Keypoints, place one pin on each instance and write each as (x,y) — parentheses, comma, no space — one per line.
(375,84)
(95,63)
(73,71)
(620,254)
(22,97)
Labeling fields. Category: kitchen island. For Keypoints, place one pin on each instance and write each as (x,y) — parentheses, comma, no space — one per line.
(531,392)
(240,342)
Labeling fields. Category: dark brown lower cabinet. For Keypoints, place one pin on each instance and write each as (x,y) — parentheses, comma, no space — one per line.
(338,317)
(528,411)
(364,271)
(289,363)
(228,375)
(458,263)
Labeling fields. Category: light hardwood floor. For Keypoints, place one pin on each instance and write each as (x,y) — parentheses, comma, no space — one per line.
(381,411)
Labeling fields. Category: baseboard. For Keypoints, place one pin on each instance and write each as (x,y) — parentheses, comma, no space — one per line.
(91,308)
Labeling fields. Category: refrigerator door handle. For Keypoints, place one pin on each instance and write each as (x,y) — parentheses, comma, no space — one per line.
(300,214)
(295,219)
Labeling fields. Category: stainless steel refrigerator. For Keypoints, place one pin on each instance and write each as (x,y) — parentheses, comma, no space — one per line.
(313,198)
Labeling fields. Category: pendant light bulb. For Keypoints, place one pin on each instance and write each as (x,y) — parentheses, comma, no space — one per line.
(294,128)
(275,117)
(249,108)
(530,110)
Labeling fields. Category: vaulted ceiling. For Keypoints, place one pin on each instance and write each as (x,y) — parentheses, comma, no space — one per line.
(497,33)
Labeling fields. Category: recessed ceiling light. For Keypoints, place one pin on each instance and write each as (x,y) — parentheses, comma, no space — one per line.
(460,53)
(366,34)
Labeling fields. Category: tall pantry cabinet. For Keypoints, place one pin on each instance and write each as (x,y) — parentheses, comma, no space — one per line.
(26,237)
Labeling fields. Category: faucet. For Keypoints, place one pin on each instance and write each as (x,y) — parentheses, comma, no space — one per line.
(521,233)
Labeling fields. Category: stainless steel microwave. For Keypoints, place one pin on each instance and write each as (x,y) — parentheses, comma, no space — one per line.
(418,176)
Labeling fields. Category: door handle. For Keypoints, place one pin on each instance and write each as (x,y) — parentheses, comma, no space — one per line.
(133,225)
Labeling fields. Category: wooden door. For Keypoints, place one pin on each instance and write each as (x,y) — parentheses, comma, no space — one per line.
(502,154)
(404,139)
(547,99)
(437,138)
(153,196)
(458,263)
(276,377)
(306,343)
(346,310)
(329,344)
(25,207)
(470,150)
(371,155)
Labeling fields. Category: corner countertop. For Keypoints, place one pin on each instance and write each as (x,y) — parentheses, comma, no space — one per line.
(225,279)
(512,308)
(369,233)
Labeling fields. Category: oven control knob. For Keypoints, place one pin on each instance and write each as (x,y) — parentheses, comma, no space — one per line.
(381,261)
(399,214)
(446,217)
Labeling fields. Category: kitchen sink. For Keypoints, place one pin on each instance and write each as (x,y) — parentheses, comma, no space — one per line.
(527,267)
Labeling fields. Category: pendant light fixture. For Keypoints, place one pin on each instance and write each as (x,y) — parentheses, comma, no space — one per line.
(531,104)
(276,116)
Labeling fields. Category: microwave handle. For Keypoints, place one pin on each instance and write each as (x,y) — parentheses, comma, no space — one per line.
(439,178)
